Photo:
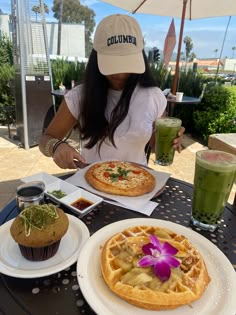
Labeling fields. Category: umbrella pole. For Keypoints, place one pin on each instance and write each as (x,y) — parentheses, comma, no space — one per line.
(174,88)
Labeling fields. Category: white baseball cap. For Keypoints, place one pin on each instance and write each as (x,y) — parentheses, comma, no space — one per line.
(118,41)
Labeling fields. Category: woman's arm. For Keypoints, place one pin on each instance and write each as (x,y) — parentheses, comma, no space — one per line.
(63,154)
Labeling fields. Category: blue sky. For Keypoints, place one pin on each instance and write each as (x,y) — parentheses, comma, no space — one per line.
(207,34)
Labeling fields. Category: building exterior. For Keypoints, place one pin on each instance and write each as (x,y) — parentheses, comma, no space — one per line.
(5,25)
(230,65)
(225,65)
(72,37)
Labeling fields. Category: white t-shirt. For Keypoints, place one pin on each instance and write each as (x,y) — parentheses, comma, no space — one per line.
(133,133)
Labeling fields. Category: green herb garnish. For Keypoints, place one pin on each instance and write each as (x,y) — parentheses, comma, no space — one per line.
(38,216)
(121,174)
(57,193)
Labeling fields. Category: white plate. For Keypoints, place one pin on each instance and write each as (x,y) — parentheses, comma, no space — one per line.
(219,298)
(60,185)
(12,263)
(44,177)
(81,193)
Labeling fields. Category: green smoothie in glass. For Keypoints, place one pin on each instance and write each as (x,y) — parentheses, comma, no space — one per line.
(167,129)
(215,173)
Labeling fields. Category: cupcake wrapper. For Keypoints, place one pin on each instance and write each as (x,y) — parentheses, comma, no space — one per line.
(39,253)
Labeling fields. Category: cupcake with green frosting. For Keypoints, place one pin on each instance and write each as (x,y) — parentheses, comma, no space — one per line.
(38,231)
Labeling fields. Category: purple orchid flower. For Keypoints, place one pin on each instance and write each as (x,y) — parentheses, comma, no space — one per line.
(160,256)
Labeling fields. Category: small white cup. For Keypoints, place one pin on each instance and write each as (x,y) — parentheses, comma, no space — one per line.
(179,96)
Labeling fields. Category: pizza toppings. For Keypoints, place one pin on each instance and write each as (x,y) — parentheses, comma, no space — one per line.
(120,174)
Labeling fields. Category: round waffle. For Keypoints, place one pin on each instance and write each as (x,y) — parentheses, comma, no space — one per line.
(140,286)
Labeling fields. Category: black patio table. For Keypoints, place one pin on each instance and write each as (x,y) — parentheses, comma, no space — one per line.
(188,100)
(60,294)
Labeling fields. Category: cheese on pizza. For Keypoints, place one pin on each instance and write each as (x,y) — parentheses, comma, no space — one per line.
(120,178)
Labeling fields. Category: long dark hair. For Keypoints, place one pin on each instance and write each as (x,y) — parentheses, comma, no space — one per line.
(93,124)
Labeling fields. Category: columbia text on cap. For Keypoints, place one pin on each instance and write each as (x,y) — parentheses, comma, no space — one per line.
(118,41)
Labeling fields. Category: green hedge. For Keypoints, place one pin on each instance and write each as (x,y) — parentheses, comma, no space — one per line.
(7,100)
(63,71)
(191,83)
(216,113)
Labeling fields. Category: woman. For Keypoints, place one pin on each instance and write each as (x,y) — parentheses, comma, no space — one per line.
(116,106)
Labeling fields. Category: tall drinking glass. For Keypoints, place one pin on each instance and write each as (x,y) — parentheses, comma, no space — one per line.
(167,129)
(215,173)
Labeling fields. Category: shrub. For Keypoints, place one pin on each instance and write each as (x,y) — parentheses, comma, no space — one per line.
(217,112)
(161,75)
(74,72)
(63,71)
(6,51)
(7,101)
(59,69)
(191,83)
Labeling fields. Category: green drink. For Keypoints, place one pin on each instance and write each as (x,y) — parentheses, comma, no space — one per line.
(215,173)
(167,129)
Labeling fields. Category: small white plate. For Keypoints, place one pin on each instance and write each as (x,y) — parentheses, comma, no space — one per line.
(72,192)
(44,177)
(81,193)
(12,263)
(219,298)
(60,185)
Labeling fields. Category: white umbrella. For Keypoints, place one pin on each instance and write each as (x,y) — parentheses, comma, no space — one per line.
(184,9)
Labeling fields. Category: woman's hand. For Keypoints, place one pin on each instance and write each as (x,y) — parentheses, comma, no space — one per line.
(178,141)
(67,157)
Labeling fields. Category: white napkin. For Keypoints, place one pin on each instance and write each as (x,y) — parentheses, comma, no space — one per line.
(147,209)
(132,202)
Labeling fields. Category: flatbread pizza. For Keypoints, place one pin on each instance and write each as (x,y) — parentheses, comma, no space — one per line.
(120,178)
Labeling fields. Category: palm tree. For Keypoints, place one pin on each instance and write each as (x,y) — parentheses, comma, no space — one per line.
(37,10)
(188,47)
(233,48)
(216,51)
